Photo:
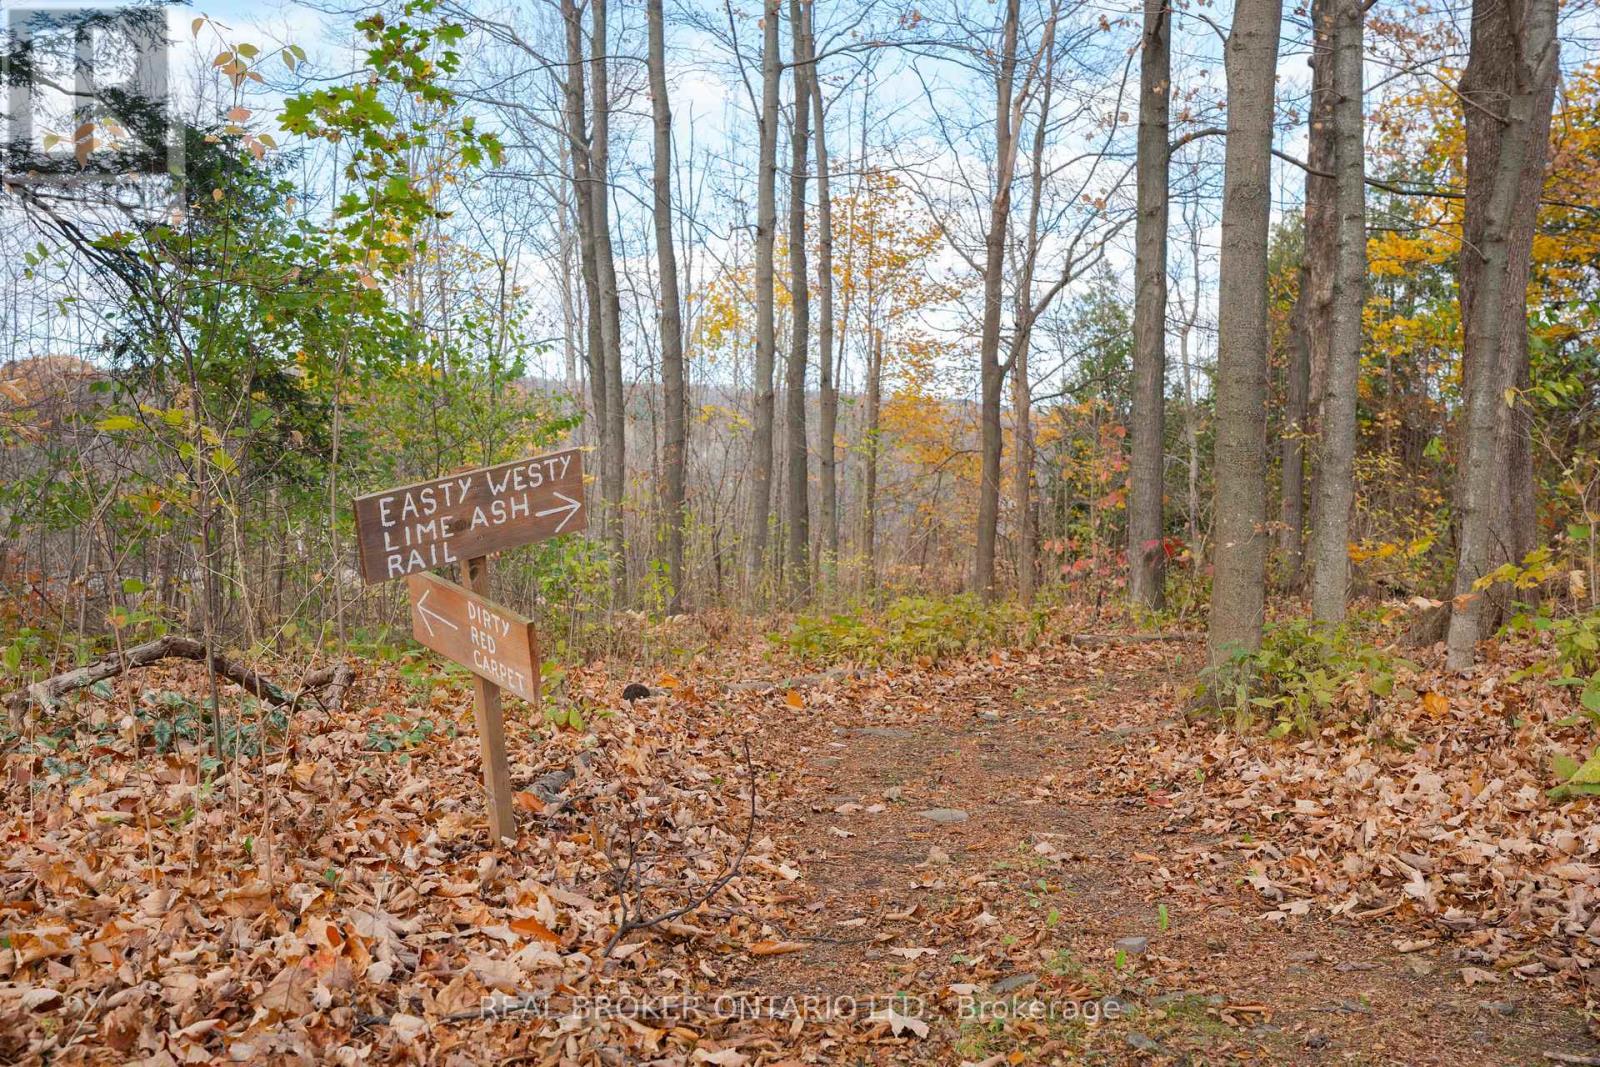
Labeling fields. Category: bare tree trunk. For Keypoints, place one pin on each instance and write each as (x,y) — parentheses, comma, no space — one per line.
(1238,585)
(1312,314)
(828,392)
(609,310)
(577,137)
(1022,475)
(991,373)
(766,328)
(1292,447)
(1508,89)
(672,379)
(1022,338)
(1330,536)
(1146,560)
(798,519)
(869,457)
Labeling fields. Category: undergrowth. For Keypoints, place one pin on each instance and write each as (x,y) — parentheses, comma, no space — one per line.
(1306,675)
(910,629)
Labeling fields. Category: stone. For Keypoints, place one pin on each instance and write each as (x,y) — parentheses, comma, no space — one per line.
(1142,1043)
(1013,982)
(1133,946)
(944,815)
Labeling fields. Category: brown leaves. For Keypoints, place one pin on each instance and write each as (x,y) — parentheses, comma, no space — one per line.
(528,926)
(776,948)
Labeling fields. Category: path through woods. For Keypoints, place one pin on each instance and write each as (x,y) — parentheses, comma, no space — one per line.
(1027,826)
(1057,861)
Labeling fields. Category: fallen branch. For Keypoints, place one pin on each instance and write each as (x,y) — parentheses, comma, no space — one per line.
(48,693)
(1093,640)
(335,679)
(626,926)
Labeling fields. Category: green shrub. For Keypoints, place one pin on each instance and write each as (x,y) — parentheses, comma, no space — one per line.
(1305,675)
(1575,653)
(924,629)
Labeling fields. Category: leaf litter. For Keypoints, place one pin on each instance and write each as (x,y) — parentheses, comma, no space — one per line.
(330,902)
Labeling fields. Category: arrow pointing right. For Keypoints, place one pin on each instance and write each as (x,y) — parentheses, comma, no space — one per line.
(570,507)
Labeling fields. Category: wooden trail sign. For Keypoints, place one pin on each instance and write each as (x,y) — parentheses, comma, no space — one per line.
(460,519)
(455,518)
(492,642)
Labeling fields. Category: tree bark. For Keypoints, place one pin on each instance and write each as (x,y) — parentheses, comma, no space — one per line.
(1027,313)
(610,309)
(1146,560)
(869,457)
(1330,537)
(1292,447)
(583,190)
(766,327)
(1238,593)
(991,373)
(828,393)
(672,375)
(798,519)
(1508,90)
(1310,319)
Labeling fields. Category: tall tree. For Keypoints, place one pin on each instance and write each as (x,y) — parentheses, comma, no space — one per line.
(1508,89)
(1330,537)
(1309,321)
(766,324)
(609,309)
(1026,313)
(827,389)
(1146,475)
(797,498)
(673,391)
(1238,593)
(1007,118)
(577,140)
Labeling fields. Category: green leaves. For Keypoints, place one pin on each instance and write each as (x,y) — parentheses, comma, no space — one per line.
(1576,780)
(1305,674)
(379,222)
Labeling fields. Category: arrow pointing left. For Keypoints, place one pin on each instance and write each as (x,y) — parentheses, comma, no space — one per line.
(428,614)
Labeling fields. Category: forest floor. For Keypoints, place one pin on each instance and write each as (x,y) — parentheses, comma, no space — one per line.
(1023,857)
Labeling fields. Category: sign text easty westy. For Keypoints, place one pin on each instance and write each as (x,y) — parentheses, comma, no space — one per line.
(472,513)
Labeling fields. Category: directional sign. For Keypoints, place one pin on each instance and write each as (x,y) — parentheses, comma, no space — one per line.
(492,642)
(473,513)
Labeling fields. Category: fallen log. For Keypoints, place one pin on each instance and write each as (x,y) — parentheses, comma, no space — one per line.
(1093,640)
(48,693)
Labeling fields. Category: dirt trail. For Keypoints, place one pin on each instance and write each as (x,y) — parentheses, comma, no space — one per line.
(1041,868)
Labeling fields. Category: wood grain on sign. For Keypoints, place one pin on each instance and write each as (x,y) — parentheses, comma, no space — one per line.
(430,524)
(493,642)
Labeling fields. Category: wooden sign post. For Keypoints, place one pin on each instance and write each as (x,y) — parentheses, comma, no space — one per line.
(491,641)
(473,513)
(460,519)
